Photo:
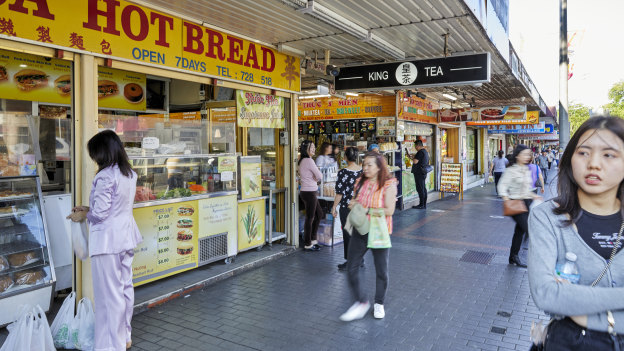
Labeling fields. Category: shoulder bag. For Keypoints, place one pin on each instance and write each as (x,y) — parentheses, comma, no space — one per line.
(357,217)
(514,207)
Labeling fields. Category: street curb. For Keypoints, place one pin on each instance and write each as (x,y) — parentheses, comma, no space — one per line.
(144,306)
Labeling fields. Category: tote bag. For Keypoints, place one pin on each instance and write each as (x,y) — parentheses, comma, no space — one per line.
(378,235)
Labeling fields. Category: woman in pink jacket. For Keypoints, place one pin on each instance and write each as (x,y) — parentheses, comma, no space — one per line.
(309,176)
(113,235)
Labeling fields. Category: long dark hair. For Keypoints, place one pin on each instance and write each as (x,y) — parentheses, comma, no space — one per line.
(568,198)
(517,150)
(106,149)
(303,150)
(384,172)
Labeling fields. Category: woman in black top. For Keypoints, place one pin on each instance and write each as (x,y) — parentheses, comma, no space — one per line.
(344,192)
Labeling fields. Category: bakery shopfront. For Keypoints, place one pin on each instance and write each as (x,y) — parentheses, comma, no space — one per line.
(200,113)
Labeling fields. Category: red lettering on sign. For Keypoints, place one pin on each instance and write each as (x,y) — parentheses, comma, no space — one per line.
(215,41)
(162,29)
(93,12)
(268,60)
(252,56)
(235,46)
(194,34)
(42,8)
(126,22)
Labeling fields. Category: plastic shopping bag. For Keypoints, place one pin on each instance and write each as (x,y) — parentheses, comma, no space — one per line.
(41,334)
(337,225)
(20,334)
(62,323)
(29,332)
(79,239)
(378,236)
(83,328)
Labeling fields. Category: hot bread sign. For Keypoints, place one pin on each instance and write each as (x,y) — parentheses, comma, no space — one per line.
(116,28)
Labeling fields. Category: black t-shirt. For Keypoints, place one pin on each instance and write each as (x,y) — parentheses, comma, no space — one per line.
(423,160)
(600,232)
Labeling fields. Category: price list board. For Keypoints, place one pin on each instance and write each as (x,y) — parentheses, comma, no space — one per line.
(169,246)
(451,179)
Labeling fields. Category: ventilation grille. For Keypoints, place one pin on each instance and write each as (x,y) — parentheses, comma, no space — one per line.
(213,248)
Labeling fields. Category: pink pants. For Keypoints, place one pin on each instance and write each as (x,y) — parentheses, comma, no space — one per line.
(114,300)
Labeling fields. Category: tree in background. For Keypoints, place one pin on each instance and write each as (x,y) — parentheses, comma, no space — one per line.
(577,114)
(616,95)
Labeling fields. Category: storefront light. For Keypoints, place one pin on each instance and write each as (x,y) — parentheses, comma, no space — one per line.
(313,96)
(352,94)
(451,97)
(23,65)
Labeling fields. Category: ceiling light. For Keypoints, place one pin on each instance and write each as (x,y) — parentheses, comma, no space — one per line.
(313,96)
(451,97)
(23,65)
(352,94)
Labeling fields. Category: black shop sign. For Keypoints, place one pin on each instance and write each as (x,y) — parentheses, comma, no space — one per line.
(454,70)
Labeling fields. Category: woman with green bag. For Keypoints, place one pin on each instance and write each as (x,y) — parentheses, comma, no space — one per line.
(376,192)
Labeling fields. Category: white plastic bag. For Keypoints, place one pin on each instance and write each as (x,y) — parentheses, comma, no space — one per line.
(62,322)
(79,239)
(83,328)
(337,225)
(41,334)
(20,333)
(29,332)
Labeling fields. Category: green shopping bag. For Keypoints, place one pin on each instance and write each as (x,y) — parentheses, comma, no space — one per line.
(378,236)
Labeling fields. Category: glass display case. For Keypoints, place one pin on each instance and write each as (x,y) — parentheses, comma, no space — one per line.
(183,176)
(25,265)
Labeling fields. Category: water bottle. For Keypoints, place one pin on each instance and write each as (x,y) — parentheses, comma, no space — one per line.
(569,270)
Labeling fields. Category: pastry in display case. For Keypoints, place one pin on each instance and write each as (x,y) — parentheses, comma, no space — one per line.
(25,265)
(183,176)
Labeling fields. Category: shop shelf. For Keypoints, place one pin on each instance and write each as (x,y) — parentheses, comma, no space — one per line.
(39,263)
(13,248)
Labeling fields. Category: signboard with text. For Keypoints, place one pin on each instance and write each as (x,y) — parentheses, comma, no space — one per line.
(517,128)
(503,115)
(255,110)
(416,109)
(129,31)
(332,108)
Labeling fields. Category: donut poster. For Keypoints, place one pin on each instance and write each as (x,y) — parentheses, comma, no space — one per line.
(121,90)
(34,78)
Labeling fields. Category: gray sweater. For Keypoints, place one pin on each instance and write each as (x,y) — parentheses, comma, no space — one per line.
(549,241)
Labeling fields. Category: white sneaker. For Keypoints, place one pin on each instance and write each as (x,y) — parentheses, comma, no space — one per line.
(357,311)
(378,311)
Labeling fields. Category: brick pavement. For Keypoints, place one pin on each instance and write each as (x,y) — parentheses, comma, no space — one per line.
(434,302)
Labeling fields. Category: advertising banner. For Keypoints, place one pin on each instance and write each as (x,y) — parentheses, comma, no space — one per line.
(257,110)
(503,115)
(517,128)
(119,89)
(251,177)
(169,246)
(217,216)
(386,126)
(333,108)
(416,109)
(251,224)
(134,32)
(34,78)
(456,115)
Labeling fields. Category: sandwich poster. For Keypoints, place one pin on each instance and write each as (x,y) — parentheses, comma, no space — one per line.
(503,115)
(259,110)
(169,246)
(251,224)
(121,90)
(34,78)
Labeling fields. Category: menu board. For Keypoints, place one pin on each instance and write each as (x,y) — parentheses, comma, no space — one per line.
(451,178)
(386,126)
(169,244)
(251,177)
(123,90)
(251,224)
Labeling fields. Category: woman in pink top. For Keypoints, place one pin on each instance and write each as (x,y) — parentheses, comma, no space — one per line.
(309,176)
(113,235)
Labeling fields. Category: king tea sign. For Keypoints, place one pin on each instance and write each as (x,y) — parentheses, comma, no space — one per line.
(454,70)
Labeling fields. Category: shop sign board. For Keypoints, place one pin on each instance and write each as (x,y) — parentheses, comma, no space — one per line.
(418,129)
(550,128)
(333,108)
(255,110)
(416,109)
(119,89)
(251,224)
(553,136)
(217,215)
(169,246)
(456,115)
(453,70)
(503,115)
(34,78)
(125,30)
(517,128)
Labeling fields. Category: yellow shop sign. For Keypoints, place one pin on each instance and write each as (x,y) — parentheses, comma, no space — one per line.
(117,28)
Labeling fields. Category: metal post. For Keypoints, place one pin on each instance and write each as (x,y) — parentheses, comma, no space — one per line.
(564,124)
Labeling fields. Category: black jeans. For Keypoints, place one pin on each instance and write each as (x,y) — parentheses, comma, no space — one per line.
(314,214)
(343,213)
(357,249)
(421,189)
(497,177)
(545,174)
(522,227)
(565,335)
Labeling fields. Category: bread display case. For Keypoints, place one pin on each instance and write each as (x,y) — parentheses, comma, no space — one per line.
(26,271)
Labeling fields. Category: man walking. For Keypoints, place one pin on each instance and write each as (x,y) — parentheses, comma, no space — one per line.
(542,163)
(419,164)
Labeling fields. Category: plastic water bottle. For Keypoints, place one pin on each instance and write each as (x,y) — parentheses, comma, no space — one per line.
(569,270)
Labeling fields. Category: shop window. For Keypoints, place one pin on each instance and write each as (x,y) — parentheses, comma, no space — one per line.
(156,94)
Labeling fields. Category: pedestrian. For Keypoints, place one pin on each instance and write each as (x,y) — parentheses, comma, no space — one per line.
(584,223)
(373,148)
(499,164)
(309,176)
(325,157)
(113,236)
(536,176)
(344,192)
(551,158)
(542,163)
(335,155)
(375,189)
(517,184)
(419,163)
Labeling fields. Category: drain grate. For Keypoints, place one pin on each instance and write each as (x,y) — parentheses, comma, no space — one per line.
(498,330)
(477,257)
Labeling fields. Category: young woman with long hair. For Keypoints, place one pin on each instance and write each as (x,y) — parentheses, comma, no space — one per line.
(586,220)
(309,176)
(112,239)
(374,189)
